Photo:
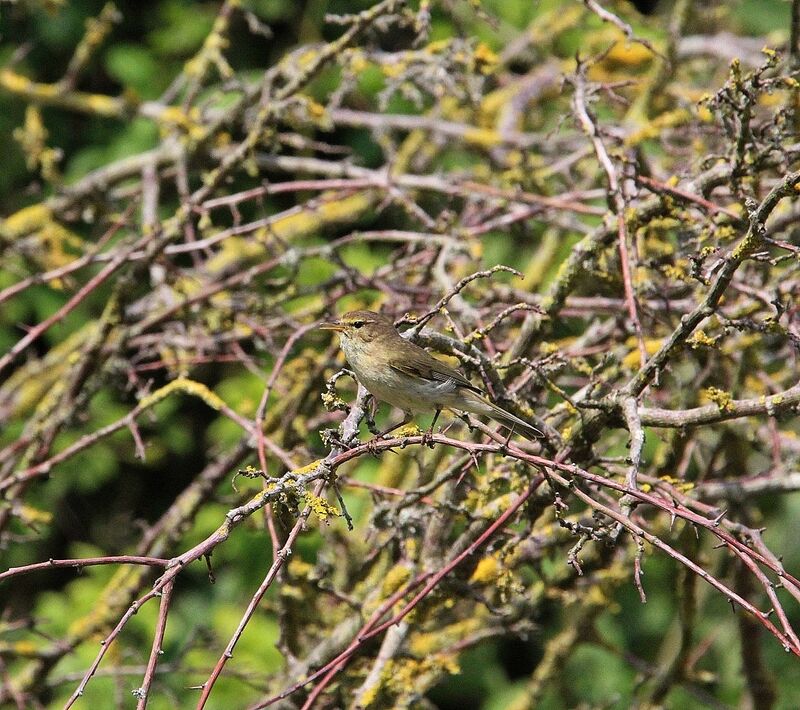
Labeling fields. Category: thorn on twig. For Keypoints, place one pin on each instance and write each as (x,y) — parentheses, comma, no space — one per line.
(638,572)
(211,578)
(345,513)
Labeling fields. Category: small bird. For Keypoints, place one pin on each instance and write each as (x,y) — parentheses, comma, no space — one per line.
(406,376)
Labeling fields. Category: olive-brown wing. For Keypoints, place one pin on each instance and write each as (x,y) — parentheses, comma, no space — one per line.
(419,363)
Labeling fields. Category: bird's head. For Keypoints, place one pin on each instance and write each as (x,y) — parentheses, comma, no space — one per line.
(362,326)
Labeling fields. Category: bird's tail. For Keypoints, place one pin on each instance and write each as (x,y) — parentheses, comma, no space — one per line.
(479,405)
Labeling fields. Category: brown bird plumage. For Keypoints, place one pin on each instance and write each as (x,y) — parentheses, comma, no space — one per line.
(407,376)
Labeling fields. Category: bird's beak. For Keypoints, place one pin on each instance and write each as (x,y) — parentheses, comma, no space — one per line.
(333,325)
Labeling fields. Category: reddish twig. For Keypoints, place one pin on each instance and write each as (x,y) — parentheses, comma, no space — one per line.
(158,639)
(80,563)
(338,663)
(255,600)
(118,261)
(659,186)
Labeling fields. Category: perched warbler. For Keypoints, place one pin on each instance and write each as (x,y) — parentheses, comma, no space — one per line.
(406,376)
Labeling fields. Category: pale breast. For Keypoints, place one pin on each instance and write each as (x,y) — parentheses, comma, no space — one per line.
(408,393)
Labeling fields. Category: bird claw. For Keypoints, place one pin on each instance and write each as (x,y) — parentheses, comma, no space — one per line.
(372,446)
(427,438)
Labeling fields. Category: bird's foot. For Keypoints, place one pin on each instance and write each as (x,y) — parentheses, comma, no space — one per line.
(372,447)
(427,437)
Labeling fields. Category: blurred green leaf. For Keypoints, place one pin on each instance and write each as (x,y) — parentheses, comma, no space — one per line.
(134,66)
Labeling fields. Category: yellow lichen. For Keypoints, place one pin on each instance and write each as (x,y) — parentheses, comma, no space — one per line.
(188,386)
(25,221)
(677,272)
(408,430)
(299,568)
(653,128)
(33,516)
(308,468)
(103,105)
(721,398)
(291,227)
(632,54)
(486,570)
(320,507)
(699,338)
(651,346)
(485,59)
(395,578)
(484,137)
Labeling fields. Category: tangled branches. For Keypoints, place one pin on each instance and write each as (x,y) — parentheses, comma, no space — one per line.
(607,242)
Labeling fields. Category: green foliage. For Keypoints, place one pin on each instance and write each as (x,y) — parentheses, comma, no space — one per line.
(136,68)
(218,320)
(181,27)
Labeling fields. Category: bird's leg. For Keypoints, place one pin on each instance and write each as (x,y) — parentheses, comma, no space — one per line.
(427,437)
(369,415)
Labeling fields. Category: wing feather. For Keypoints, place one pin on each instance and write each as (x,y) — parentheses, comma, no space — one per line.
(427,367)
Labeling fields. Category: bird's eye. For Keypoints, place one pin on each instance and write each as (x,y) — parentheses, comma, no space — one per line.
(358,323)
